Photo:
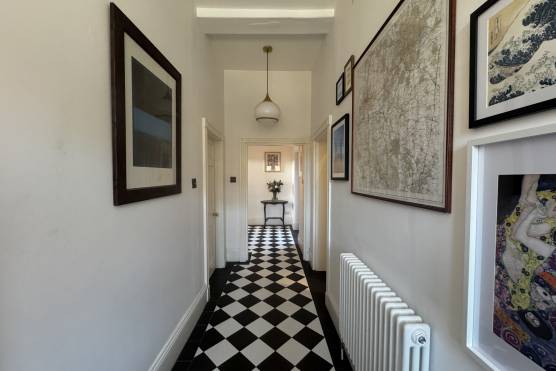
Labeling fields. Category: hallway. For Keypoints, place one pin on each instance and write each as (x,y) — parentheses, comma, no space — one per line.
(265,318)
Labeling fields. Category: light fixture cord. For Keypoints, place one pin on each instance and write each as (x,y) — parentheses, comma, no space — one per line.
(267,73)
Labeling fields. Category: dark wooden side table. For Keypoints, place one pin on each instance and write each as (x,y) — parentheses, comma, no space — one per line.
(275,202)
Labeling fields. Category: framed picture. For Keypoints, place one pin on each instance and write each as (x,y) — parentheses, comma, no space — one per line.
(511,243)
(348,76)
(272,162)
(146,116)
(513,60)
(339,140)
(402,108)
(340,89)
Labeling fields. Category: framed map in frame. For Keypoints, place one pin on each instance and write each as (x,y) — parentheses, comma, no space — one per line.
(402,108)
(146,116)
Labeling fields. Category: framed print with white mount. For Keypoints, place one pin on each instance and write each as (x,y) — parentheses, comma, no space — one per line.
(511,250)
(146,115)
(339,141)
(513,60)
(273,162)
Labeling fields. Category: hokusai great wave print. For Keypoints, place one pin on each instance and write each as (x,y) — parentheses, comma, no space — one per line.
(522,49)
(401,108)
(525,277)
(513,63)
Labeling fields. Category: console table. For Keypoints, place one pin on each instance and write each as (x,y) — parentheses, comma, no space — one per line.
(275,202)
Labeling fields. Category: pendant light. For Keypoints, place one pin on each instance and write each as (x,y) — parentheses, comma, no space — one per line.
(267,112)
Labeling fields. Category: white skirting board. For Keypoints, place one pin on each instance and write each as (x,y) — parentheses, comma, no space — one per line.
(332,310)
(167,357)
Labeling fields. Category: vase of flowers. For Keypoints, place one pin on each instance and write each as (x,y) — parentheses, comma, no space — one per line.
(275,187)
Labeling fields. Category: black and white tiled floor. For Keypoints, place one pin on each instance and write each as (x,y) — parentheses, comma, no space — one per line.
(265,318)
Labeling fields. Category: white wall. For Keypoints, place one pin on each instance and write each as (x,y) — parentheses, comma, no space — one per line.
(420,253)
(243,90)
(257,188)
(85,285)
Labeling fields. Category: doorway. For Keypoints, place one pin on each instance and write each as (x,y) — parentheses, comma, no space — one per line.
(321,176)
(255,175)
(213,199)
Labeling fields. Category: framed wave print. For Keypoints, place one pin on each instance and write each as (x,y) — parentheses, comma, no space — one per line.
(402,108)
(339,140)
(146,116)
(513,60)
(511,254)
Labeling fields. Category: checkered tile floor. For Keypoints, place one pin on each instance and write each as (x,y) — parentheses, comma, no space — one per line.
(265,318)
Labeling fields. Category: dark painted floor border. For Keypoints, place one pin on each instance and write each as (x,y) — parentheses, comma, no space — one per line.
(317,286)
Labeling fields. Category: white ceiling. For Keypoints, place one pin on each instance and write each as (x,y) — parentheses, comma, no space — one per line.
(291,53)
(265,17)
(267,4)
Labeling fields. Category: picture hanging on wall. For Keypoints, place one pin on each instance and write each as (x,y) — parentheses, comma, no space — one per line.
(513,59)
(525,278)
(402,108)
(340,89)
(511,239)
(146,116)
(340,149)
(348,76)
(272,162)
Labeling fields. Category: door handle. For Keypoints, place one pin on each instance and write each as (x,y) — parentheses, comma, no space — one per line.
(214,214)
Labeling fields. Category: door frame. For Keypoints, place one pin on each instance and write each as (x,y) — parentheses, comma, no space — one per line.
(211,133)
(317,209)
(243,185)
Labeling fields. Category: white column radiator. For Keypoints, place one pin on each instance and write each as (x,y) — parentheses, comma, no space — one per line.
(378,330)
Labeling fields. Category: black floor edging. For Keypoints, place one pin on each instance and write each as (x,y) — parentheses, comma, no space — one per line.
(317,285)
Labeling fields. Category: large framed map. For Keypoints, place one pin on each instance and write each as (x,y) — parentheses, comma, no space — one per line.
(402,108)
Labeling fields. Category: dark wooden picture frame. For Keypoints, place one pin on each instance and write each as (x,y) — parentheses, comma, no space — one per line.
(345,121)
(449,112)
(340,85)
(474,122)
(348,68)
(120,25)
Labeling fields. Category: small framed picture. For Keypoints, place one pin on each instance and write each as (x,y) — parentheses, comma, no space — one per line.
(511,250)
(348,76)
(146,116)
(513,55)
(272,162)
(340,89)
(339,142)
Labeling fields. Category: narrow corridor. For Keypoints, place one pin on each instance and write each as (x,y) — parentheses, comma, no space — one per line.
(265,318)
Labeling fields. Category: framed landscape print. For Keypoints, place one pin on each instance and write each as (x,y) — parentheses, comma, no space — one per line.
(511,250)
(272,162)
(339,140)
(402,108)
(340,89)
(513,59)
(146,116)
(348,76)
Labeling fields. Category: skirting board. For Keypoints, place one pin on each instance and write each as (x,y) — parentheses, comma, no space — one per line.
(170,352)
(332,310)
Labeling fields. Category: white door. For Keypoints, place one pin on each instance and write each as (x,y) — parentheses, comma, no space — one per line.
(211,209)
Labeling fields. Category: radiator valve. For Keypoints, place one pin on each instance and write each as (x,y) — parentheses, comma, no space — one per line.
(419,337)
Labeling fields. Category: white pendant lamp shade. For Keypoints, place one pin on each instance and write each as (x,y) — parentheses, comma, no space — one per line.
(267,112)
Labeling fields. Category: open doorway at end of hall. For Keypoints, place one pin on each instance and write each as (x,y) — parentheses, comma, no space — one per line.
(276,169)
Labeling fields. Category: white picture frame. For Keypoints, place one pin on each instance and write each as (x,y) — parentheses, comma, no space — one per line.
(513,153)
